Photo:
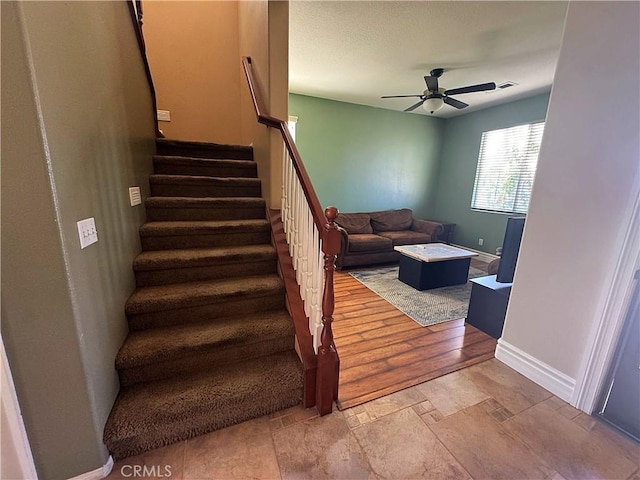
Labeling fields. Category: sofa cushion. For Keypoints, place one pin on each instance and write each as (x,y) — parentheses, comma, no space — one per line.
(391,220)
(368,242)
(355,222)
(406,237)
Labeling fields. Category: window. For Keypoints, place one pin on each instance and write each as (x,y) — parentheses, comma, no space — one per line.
(506,168)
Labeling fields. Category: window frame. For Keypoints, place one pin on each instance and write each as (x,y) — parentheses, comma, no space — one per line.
(292,125)
(514,210)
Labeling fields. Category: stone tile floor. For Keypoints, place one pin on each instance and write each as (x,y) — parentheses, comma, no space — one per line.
(483,422)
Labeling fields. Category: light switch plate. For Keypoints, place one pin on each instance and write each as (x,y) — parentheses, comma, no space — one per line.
(87,232)
(134,196)
(164,115)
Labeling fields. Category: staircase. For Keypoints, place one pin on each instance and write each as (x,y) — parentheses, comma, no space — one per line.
(211,343)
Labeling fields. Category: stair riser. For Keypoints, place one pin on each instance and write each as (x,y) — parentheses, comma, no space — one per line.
(234,154)
(210,312)
(217,191)
(223,239)
(203,214)
(181,430)
(197,170)
(204,360)
(212,272)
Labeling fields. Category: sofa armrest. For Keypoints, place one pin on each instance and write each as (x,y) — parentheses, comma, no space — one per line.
(434,229)
(344,246)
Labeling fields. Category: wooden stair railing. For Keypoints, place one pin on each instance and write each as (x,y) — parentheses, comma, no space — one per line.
(314,243)
(135,10)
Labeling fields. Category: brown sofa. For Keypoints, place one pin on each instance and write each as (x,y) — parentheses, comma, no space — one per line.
(369,238)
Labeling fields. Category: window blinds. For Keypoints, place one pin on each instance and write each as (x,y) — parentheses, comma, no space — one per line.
(506,168)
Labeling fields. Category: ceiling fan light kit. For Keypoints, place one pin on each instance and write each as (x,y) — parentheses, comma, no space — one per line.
(433,104)
(434,97)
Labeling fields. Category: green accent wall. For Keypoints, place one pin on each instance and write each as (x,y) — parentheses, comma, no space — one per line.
(458,162)
(363,158)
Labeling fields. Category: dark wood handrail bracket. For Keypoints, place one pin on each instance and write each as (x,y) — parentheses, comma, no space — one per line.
(135,11)
(328,361)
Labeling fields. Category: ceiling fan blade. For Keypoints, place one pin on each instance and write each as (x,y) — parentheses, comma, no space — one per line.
(401,96)
(455,103)
(471,88)
(413,107)
(432,83)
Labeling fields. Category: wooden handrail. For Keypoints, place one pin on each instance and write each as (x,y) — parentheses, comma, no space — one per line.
(328,361)
(135,10)
(264,118)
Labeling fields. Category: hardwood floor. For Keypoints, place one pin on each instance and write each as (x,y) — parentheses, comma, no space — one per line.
(383,351)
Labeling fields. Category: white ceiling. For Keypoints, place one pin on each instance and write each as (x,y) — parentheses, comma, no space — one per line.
(357,51)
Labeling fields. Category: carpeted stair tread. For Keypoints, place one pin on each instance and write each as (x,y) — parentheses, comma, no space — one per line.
(198,233)
(147,416)
(167,146)
(162,344)
(174,165)
(170,208)
(249,165)
(193,294)
(161,229)
(204,186)
(199,257)
(202,180)
(204,202)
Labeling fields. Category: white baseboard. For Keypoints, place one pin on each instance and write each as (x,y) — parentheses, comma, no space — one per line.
(556,382)
(15,429)
(98,473)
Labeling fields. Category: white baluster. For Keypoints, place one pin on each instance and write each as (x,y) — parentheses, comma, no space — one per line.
(294,226)
(298,229)
(306,261)
(312,273)
(305,246)
(296,232)
(290,206)
(285,205)
(310,262)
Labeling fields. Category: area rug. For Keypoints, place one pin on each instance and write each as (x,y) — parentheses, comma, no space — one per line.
(428,307)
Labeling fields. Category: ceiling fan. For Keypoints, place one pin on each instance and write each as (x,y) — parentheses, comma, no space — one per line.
(434,97)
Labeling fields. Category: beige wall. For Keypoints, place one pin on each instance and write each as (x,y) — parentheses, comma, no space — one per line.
(193,54)
(195,51)
(263,31)
(253,33)
(586,183)
(278,91)
(77,132)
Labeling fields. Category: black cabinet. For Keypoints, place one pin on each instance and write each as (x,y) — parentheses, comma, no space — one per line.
(427,275)
(488,304)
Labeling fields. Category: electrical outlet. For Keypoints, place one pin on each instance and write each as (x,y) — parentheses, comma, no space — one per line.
(481,241)
(164,115)
(87,232)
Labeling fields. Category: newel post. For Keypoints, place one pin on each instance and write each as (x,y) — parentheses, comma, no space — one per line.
(328,367)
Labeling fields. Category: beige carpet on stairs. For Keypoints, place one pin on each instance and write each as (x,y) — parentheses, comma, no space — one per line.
(210,343)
